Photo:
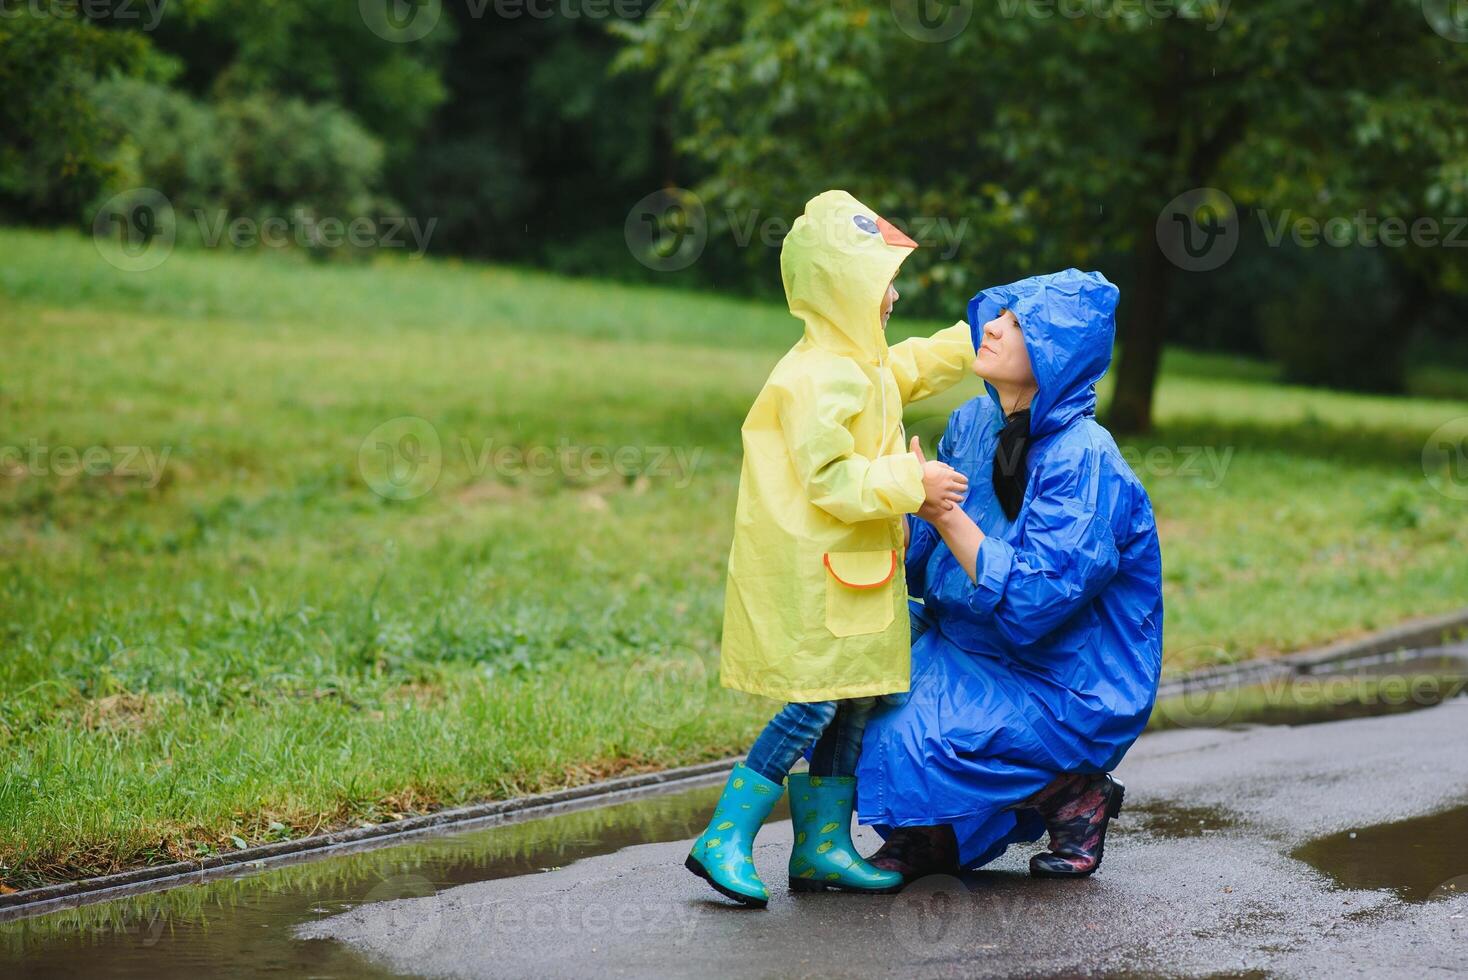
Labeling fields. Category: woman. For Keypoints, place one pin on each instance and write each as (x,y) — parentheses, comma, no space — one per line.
(1042,607)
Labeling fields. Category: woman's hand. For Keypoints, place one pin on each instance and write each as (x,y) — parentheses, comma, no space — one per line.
(962,536)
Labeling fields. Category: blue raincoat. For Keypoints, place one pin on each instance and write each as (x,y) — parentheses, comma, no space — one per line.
(1049,663)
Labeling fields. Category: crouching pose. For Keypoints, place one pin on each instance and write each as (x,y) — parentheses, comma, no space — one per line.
(1041,613)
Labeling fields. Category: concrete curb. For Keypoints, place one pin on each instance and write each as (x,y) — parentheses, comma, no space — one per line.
(1429,631)
(1425,632)
(50,898)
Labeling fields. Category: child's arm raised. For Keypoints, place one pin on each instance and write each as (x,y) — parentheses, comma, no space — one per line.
(851,487)
(925,366)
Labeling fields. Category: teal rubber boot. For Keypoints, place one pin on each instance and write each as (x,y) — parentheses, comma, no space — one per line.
(723,855)
(824,857)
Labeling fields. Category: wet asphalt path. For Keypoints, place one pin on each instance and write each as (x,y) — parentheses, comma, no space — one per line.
(1198,880)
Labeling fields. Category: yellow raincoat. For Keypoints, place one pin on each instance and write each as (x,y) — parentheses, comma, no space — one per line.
(816,603)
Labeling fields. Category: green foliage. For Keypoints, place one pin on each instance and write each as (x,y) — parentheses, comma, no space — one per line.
(54,147)
(257,638)
(321,51)
(1061,138)
(1337,325)
(257,157)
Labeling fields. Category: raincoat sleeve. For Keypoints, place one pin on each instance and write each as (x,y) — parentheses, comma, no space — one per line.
(1065,556)
(814,408)
(919,550)
(924,366)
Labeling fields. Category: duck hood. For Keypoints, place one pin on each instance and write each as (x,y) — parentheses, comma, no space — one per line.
(1068,320)
(836,263)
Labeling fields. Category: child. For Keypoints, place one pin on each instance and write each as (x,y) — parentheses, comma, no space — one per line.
(815,611)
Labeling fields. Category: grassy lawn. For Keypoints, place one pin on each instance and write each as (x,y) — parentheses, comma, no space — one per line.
(241,641)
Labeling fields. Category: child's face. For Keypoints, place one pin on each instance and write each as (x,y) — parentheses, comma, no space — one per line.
(887,302)
(1003,358)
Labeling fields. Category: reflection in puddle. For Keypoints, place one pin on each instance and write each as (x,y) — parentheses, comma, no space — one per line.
(1365,688)
(244,925)
(1419,859)
(1175,820)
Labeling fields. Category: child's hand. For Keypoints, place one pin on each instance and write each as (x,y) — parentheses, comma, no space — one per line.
(943,486)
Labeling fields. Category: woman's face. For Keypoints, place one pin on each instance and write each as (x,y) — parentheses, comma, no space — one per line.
(1003,360)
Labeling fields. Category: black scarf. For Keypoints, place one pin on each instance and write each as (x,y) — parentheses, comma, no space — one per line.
(1011,476)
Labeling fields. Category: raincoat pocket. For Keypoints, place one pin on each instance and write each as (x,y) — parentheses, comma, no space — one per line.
(858,591)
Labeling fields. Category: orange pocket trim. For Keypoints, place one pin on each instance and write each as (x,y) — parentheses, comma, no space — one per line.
(826,560)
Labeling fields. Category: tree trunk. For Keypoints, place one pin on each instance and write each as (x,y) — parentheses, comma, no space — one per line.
(1143,328)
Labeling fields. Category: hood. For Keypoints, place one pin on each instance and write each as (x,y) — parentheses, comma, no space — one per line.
(1069,322)
(836,263)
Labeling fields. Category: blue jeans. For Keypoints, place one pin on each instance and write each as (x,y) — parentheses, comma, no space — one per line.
(834,726)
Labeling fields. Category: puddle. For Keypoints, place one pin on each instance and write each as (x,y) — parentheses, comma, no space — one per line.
(245,925)
(1175,820)
(1366,688)
(1419,859)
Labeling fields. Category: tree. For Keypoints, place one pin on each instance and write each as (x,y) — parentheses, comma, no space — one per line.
(54,151)
(1064,131)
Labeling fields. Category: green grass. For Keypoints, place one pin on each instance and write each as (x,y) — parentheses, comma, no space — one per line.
(251,643)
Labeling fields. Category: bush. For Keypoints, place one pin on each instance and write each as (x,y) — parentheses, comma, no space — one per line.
(256,157)
(54,155)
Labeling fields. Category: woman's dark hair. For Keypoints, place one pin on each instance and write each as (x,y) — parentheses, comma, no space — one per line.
(1011,475)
